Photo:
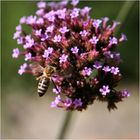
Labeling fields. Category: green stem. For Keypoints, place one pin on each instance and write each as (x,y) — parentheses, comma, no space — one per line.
(123,14)
(65,125)
(122,17)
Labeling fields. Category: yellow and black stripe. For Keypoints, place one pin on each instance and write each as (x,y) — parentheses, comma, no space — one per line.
(43,86)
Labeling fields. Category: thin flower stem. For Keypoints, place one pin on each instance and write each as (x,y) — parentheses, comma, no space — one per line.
(122,17)
(124,13)
(65,126)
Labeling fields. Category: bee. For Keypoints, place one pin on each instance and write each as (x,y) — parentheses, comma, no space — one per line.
(44,80)
(44,76)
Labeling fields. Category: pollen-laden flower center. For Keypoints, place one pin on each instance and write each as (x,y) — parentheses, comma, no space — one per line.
(82,49)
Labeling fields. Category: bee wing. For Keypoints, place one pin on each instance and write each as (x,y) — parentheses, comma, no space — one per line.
(36,69)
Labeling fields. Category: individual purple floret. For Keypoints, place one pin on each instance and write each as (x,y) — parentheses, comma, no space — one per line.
(57,38)
(68,102)
(23,20)
(85,10)
(75,50)
(97,65)
(31,20)
(61,13)
(104,90)
(22,68)
(18,28)
(47,52)
(28,56)
(77,103)
(50,16)
(15,53)
(74,2)
(123,38)
(94,40)
(74,13)
(113,41)
(20,40)
(115,70)
(50,29)
(96,23)
(29,42)
(106,68)
(125,93)
(63,58)
(86,71)
(56,101)
(83,33)
(64,30)
(38,32)
(41,4)
(40,12)
(17,34)
(44,37)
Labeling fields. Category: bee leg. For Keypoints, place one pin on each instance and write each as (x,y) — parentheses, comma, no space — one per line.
(38,78)
(55,85)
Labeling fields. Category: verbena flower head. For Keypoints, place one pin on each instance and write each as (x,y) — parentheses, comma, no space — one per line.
(83,50)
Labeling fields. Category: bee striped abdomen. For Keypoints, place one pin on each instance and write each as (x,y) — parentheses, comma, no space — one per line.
(43,86)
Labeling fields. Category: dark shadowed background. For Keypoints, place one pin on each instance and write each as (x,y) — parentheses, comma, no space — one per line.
(25,115)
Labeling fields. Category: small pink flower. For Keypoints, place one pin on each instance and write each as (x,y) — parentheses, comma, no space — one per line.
(74,50)
(47,52)
(106,68)
(50,16)
(18,28)
(41,4)
(57,38)
(40,12)
(68,102)
(74,13)
(28,56)
(17,34)
(83,33)
(40,21)
(56,101)
(115,70)
(104,90)
(61,13)
(113,41)
(96,23)
(74,2)
(63,58)
(77,103)
(50,29)
(15,53)
(23,20)
(85,10)
(31,20)
(94,40)
(63,30)
(123,38)
(86,71)
(38,32)
(22,68)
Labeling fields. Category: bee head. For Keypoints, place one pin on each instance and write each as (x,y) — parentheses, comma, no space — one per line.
(49,70)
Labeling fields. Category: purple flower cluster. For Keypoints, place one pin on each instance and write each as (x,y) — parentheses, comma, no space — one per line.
(82,49)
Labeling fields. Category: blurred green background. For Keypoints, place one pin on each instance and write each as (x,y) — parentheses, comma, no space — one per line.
(14,85)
